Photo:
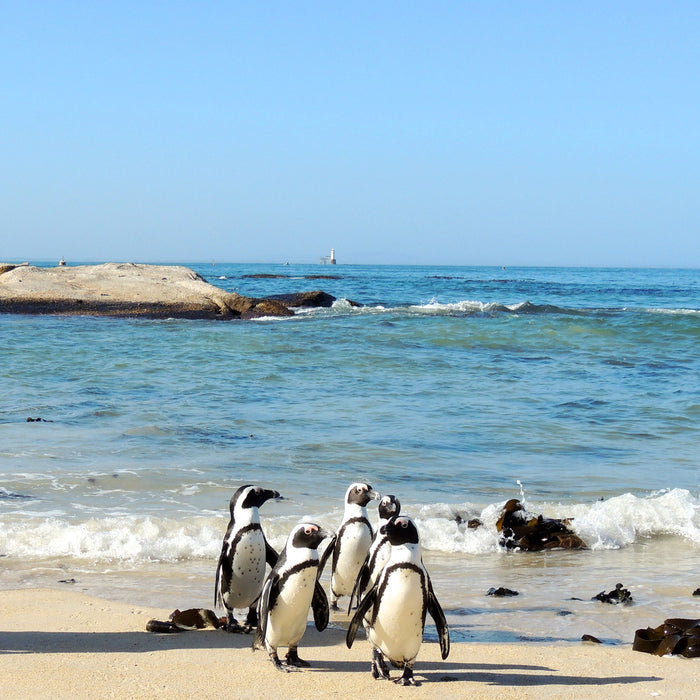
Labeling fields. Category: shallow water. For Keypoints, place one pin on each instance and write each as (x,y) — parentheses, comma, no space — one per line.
(575,390)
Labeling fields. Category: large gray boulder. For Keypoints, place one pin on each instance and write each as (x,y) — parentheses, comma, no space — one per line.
(124,289)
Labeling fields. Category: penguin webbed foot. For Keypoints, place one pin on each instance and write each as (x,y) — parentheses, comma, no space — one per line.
(406,678)
(379,668)
(334,606)
(277,663)
(235,628)
(293,659)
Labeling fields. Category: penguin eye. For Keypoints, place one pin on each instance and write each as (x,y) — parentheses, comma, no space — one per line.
(360,489)
(309,530)
(403,523)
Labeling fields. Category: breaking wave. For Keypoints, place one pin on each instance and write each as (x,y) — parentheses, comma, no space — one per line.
(613,523)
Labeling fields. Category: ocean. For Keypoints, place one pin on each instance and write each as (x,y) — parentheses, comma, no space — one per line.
(575,390)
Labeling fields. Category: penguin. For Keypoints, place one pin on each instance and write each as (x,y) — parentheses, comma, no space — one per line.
(379,551)
(241,570)
(351,542)
(290,589)
(399,601)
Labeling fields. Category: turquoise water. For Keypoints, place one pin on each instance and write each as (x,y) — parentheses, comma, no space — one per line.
(576,390)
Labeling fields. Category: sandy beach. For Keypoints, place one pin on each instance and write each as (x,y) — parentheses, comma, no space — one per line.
(62,644)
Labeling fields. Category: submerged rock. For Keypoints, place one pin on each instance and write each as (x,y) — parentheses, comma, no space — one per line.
(501,592)
(619,596)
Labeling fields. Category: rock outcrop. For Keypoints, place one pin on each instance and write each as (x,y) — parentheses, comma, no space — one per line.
(126,289)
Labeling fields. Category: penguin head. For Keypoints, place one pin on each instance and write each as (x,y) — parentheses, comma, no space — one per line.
(360,494)
(307,536)
(249,496)
(401,530)
(389,507)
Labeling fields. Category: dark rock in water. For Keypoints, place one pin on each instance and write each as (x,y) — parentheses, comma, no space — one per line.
(67,580)
(314,299)
(38,420)
(262,308)
(501,592)
(619,596)
(675,636)
(590,638)
(533,533)
(305,299)
(696,591)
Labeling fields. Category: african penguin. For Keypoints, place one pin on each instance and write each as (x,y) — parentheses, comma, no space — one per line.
(399,601)
(290,589)
(378,555)
(245,551)
(351,542)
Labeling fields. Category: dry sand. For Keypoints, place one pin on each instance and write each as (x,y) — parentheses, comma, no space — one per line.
(60,644)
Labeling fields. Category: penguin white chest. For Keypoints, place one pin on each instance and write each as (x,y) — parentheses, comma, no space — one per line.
(354,545)
(398,626)
(248,569)
(287,619)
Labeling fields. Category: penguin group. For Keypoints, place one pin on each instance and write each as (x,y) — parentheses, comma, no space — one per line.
(381,571)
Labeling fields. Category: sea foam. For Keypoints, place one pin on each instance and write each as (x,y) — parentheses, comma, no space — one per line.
(610,524)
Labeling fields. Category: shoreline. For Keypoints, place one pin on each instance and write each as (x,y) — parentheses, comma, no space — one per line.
(67,643)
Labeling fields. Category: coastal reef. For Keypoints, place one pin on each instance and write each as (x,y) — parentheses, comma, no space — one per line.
(129,289)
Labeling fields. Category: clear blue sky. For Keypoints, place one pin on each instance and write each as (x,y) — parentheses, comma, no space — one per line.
(504,133)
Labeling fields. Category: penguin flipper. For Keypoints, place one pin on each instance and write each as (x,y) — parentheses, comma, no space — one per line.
(367,602)
(326,554)
(224,571)
(360,583)
(271,556)
(319,604)
(269,591)
(438,616)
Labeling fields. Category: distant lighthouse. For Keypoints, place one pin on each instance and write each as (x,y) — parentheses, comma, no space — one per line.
(331,260)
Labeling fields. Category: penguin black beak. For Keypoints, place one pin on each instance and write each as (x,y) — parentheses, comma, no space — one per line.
(388,526)
(266,495)
(324,534)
